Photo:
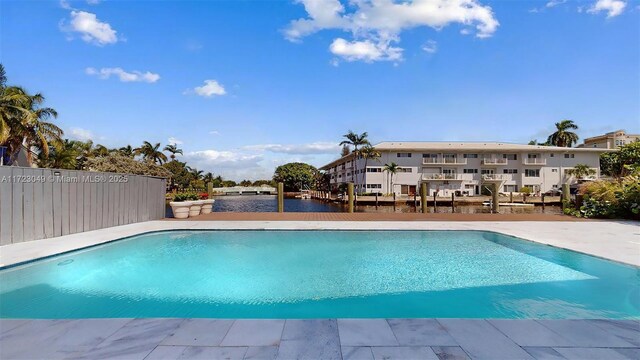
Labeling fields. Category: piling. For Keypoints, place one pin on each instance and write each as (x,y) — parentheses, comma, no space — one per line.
(495,202)
(376,200)
(280,197)
(423,197)
(394,201)
(511,197)
(350,192)
(210,190)
(453,199)
(566,195)
(435,201)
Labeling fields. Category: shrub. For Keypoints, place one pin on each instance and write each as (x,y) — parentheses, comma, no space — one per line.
(526,190)
(618,198)
(186,197)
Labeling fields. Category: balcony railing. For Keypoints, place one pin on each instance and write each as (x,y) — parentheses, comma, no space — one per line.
(496,177)
(442,176)
(447,161)
(534,161)
(494,161)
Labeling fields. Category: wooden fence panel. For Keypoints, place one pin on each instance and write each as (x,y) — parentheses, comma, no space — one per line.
(17,206)
(6,203)
(27,205)
(38,209)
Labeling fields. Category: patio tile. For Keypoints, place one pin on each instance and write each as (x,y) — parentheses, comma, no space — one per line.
(135,340)
(584,334)
(628,330)
(310,339)
(10,324)
(166,352)
(426,332)
(585,353)
(530,333)
(261,353)
(366,332)
(213,353)
(54,339)
(544,353)
(199,332)
(481,340)
(357,353)
(254,333)
(450,353)
(403,353)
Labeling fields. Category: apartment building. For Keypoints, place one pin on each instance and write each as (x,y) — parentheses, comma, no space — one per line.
(610,140)
(462,167)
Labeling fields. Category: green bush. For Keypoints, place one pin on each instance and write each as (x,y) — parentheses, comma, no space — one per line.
(186,197)
(619,198)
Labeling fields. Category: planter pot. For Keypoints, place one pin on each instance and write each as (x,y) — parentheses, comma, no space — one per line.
(195,208)
(180,209)
(207,206)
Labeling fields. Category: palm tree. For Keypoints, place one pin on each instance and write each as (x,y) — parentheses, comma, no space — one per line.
(355,140)
(563,137)
(368,152)
(62,156)
(581,171)
(99,151)
(151,153)
(127,151)
(173,149)
(391,169)
(208,177)
(197,174)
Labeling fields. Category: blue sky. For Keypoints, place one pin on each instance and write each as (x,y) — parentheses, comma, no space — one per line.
(244,86)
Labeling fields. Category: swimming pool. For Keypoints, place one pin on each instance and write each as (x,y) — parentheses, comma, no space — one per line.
(321,274)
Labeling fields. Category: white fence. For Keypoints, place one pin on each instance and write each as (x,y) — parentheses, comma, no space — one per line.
(44,203)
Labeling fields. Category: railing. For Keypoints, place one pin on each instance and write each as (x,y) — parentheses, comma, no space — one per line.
(496,177)
(439,160)
(494,161)
(534,161)
(442,176)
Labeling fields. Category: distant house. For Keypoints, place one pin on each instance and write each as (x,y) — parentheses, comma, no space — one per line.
(24,158)
(610,140)
(463,167)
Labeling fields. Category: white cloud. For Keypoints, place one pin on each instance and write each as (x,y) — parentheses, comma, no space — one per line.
(554,3)
(430,46)
(93,2)
(81,134)
(612,7)
(173,141)
(209,89)
(214,132)
(124,76)
(319,147)
(376,24)
(90,28)
(65,4)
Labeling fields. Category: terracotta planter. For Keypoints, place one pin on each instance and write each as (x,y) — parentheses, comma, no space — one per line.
(180,209)
(207,206)
(195,208)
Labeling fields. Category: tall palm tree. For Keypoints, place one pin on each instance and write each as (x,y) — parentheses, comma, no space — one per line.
(208,177)
(61,156)
(173,149)
(197,174)
(355,140)
(151,153)
(126,151)
(100,151)
(368,152)
(581,171)
(562,136)
(391,169)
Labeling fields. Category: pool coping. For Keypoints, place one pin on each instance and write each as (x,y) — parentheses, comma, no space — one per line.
(622,242)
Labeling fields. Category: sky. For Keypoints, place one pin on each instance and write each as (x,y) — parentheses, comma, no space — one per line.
(244,86)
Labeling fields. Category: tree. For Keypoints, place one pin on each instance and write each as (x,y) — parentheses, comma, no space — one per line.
(355,140)
(126,151)
(622,162)
(207,177)
(180,175)
(581,171)
(368,152)
(173,149)
(151,153)
(61,156)
(345,151)
(124,165)
(296,176)
(535,142)
(245,183)
(563,137)
(391,169)
(197,174)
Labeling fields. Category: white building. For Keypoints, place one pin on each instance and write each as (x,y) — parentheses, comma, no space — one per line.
(462,167)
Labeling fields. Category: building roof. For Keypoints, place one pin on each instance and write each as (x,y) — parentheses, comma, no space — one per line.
(479,146)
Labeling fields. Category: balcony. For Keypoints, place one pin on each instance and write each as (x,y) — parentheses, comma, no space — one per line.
(442,177)
(443,161)
(534,161)
(496,177)
(494,161)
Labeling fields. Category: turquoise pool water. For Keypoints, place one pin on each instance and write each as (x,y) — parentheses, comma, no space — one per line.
(309,274)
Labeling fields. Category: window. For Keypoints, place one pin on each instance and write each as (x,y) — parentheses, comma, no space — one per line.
(551,155)
(374,170)
(510,171)
(554,170)
(430,156)
(510,156)
(510,188)
(532,172)
(532,156)
(339,176)
(486,171)
(374,186)
(449,156)
(569,156)
(469,171)
(448,171)
(405,170)
(470,156)
(404,155)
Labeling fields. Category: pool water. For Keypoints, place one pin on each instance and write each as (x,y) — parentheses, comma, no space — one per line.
(321,274)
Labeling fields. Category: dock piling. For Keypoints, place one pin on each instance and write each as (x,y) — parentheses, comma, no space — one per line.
(423,197)
(350,192)
(495,202)
(280,197)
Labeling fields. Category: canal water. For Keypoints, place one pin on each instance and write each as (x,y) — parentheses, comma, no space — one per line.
(269,203)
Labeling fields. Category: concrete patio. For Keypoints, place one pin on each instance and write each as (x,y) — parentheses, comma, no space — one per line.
(319,339)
